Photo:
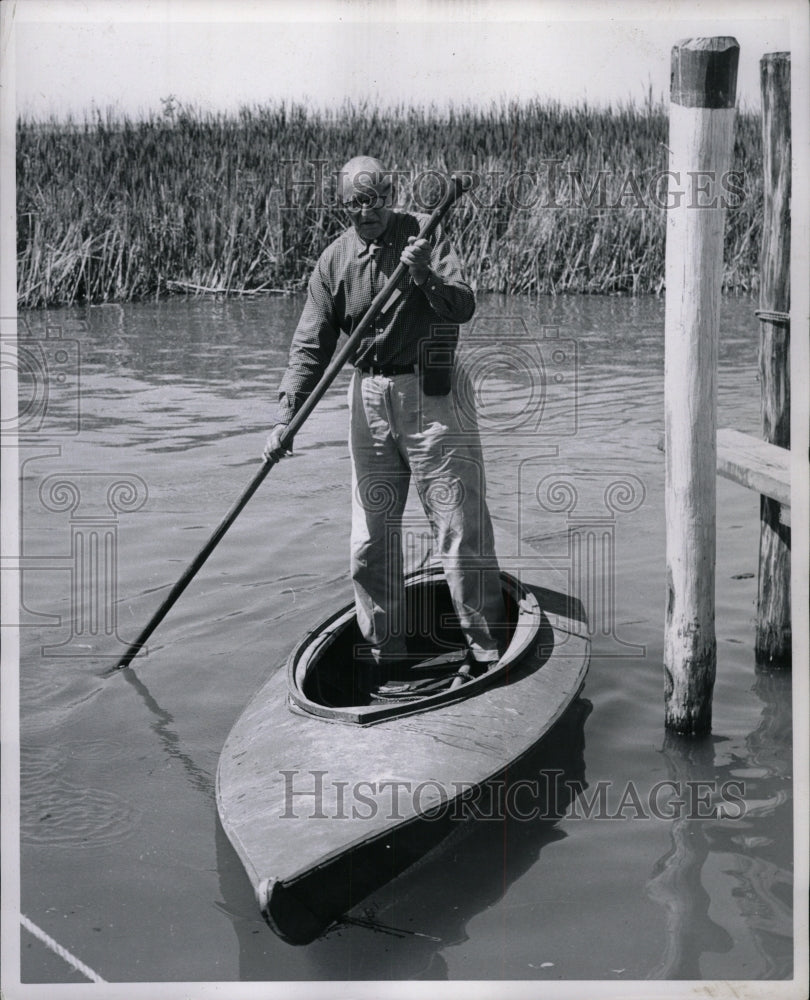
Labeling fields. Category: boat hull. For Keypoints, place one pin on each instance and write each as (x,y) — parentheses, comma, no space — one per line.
(322,812)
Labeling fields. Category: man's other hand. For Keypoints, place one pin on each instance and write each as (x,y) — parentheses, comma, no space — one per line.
(273,448)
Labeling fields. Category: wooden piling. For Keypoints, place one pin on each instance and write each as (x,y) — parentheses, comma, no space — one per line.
(701,137)
(773,632)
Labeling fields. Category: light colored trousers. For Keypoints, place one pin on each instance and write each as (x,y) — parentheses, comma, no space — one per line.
(398,433)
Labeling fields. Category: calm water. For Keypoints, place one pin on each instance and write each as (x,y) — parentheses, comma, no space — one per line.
(123,860)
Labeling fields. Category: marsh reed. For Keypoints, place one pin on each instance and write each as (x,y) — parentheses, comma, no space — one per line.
(116,209)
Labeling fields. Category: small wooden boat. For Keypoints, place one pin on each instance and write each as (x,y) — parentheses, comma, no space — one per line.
(328,789)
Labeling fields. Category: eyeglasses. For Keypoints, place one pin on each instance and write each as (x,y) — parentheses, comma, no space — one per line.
(371,201)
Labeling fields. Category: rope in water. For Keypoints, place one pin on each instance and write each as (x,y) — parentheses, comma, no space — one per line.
(771,316)
(57,949)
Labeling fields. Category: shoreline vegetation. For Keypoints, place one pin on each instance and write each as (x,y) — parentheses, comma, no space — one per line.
(568,199)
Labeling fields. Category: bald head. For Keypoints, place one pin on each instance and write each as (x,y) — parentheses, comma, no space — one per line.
(367,191)
(364,176)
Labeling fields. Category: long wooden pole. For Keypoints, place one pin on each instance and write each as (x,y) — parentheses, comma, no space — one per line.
(457,186)
(701,135)
(773,633)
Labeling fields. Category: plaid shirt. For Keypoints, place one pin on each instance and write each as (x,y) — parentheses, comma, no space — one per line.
(348,275)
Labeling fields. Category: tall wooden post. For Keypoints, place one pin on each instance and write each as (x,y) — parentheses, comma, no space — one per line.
(773,638)
(701,136)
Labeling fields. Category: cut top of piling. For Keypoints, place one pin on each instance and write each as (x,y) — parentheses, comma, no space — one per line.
(704,72)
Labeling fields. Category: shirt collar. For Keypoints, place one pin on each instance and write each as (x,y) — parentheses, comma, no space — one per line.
(385,239)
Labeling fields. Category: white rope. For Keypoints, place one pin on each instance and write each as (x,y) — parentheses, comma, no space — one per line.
(57,949)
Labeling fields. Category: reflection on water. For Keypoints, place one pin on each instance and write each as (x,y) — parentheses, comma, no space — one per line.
(163,726)
(757,846)
(676,883)
(120,839)
(400,927)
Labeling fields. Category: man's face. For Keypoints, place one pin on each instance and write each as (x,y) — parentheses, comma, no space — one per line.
(367,198)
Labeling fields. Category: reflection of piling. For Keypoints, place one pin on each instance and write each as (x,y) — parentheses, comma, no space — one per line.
(701,136)
(773,639)
(676,882)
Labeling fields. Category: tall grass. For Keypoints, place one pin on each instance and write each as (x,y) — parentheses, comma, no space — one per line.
(117,209)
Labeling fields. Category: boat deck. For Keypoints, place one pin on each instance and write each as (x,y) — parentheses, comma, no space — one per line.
(299,795)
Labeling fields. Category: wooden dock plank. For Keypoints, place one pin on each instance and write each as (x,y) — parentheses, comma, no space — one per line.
(755,464)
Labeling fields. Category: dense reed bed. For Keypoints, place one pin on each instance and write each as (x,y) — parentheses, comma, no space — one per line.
(569,199)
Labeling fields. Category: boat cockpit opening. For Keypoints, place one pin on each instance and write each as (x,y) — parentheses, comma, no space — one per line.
(437,658)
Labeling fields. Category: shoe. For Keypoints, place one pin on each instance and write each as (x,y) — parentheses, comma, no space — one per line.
(470,669)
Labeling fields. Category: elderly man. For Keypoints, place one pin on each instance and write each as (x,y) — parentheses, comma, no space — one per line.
(404,422)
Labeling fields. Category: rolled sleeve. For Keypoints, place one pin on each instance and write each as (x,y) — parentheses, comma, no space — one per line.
(312,347)
(446,290)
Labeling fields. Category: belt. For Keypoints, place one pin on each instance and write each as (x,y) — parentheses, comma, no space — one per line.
(387,369)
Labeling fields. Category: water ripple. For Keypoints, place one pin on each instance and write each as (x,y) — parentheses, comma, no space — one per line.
(62,814)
